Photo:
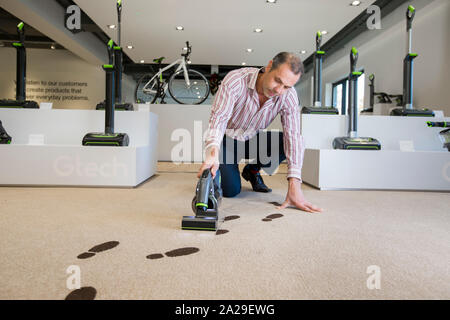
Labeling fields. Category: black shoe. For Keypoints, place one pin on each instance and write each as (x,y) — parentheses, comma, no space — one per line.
(256,180)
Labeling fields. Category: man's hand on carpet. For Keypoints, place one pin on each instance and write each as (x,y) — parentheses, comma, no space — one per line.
(296,198)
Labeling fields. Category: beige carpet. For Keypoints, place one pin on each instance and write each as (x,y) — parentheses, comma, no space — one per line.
(296,256)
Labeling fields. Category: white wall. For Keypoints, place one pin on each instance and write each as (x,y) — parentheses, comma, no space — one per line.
(46,66)
(381,52)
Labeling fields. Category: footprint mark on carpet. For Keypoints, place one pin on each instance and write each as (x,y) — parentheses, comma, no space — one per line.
(270,217)
(84,293)
(98,248)
(174,253)
(221,231)
(231,218)
(276,204)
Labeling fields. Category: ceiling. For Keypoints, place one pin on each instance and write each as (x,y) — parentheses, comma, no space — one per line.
(221,31)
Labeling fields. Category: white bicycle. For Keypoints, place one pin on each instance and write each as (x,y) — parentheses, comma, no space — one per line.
(186,86)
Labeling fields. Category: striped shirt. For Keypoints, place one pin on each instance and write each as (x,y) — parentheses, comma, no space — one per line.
(236,112)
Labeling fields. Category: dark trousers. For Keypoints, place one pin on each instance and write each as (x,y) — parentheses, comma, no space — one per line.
(265,150)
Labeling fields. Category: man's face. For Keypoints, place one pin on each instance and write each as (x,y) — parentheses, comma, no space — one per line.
(276,82)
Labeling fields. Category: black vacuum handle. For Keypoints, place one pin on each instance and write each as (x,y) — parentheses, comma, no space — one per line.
(353,59)
(410,13)
(110,48)
(318,40)
(119,9)
(21,32)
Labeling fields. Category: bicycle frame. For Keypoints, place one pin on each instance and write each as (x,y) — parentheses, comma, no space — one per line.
(181,65)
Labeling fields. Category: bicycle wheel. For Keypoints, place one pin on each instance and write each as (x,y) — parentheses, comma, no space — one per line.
(150,93)
(195,93)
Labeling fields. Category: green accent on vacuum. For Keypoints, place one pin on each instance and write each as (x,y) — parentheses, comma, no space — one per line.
(357,73)
(119,2)
(320,52)
(319,33)
(198,228)
(411,9)
(103,142)
(200,204)
(110,43)
(108,66)
(361,147)
(413,54)
(20,26)
(117,48)
(105,136)
(354,51)
(17,44)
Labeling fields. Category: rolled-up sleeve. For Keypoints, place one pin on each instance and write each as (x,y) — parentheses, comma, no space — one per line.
(221,110)
(294,147)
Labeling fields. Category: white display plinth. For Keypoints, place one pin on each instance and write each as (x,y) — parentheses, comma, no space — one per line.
(383,170)
(63,161)
(425,168)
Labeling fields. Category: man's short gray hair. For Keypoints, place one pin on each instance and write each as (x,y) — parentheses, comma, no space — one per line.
(294,61)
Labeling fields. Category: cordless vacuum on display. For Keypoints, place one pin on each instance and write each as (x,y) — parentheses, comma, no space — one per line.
(108,138)
(21,75)
(408,78)
(118,67)
(317,108)
(352,141)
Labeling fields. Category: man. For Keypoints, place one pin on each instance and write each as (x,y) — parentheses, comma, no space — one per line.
(247,101)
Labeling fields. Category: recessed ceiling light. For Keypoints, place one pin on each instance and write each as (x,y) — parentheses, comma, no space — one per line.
(189,62)
(271,1)
(180,28)
(142,61)
(130,47)
(243,63)
(111,26)
(324,32)
(355,3)
(258,30)
(303,51)
(53,47)
(249,50)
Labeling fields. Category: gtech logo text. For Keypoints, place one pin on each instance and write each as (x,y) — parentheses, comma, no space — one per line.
(66,166)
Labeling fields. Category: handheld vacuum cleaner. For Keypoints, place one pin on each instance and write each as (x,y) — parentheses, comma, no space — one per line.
(21,75)
(205,205)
